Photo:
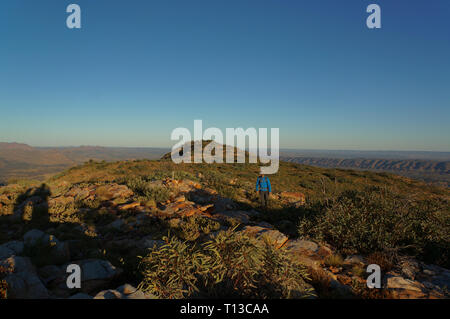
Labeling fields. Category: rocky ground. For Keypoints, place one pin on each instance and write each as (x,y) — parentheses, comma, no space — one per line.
(99,225)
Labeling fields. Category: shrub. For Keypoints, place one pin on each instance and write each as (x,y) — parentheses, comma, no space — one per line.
(220,183)
(158,194)
(382,259)
(359,271)
(230,265)
(87,203)
(334,260)
(136,184)
(375,220)
(143,189)
(194,226)
(321,282)
(171,271)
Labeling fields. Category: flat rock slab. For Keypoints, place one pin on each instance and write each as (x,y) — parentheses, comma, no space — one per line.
(397,282)
(113,191)
(301,246)
(242,216)
(273,236)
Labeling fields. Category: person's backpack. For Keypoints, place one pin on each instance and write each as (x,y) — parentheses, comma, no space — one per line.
(259,181)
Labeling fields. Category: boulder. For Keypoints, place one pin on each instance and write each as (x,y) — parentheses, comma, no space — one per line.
(34,237)
(324,251)
(5,252)
(265,225)
(59,251)
(206,208)
(342,290)
(173,208)
(117,224)
(96,274)
(354,259)
(397,282)
(189,211)
(129,206)
(126,291)
(273,236)
(11,248)
(440,276)
(109,294)
(307,261)
(22,279)
(222,204)
(78,193)
(97,269)
(201,196)
(300,246)
(148,242)
(50,273)
(130,292)
(113,191)
(286,227)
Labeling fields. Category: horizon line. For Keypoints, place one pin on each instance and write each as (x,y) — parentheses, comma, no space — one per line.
(281,148)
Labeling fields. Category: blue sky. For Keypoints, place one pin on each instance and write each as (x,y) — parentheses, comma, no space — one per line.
(138,69)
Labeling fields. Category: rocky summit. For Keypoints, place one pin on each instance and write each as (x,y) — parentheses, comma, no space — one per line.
(128,224)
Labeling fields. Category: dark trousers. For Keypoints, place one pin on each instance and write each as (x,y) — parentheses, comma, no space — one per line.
(264,198)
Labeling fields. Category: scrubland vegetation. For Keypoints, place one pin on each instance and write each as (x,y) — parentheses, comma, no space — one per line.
(378,215)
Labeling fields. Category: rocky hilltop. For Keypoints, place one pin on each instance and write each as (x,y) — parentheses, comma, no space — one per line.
(131,225)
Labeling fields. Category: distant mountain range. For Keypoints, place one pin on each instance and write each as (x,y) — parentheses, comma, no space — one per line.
(24,161)
(432,171)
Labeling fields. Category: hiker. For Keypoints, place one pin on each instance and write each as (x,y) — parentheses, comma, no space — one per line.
(264,189)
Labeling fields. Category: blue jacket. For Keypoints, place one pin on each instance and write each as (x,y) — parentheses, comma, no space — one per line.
(263,184)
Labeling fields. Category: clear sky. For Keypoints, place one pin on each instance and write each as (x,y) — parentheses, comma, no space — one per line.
(140,68)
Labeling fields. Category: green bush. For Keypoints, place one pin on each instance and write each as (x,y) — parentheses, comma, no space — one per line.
(334,260)
(143,189)
(87,203)
(230,265)
(220,183)
(158,194)
(379,220)
(191,228)
(171,271)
